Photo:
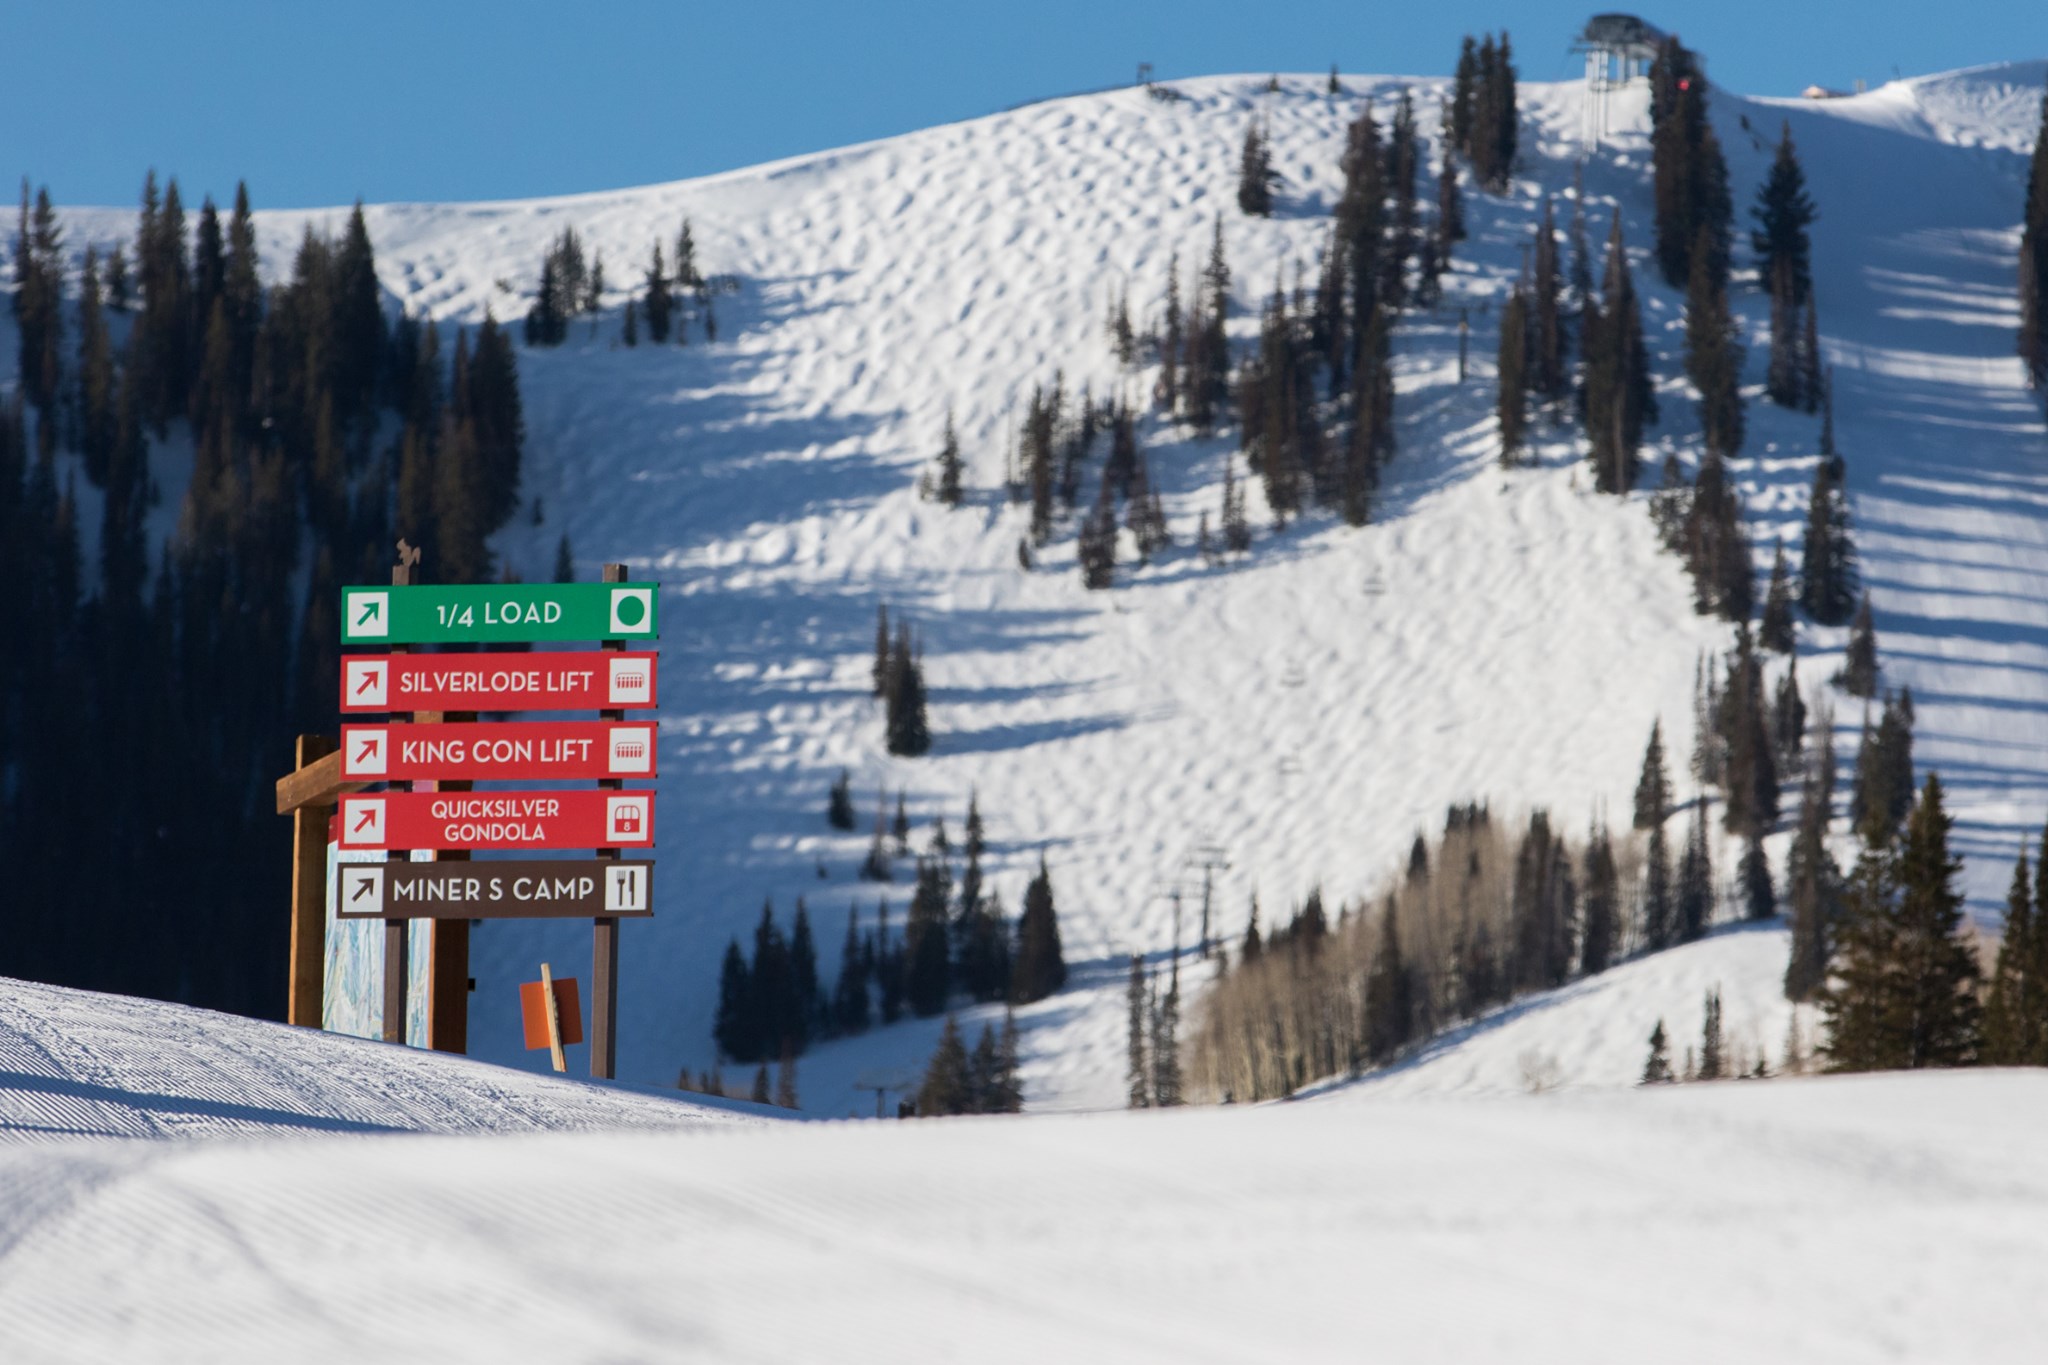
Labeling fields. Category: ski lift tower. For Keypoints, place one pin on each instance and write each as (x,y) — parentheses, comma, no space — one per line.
(1619,49)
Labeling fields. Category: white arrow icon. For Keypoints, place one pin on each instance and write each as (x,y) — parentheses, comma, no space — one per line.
(366,684)
(362,821)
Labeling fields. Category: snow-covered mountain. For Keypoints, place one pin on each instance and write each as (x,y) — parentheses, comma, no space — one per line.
(1504,636)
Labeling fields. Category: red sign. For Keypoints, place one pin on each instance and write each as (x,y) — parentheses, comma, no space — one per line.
(533,1012)
(536,820)
(568,680)
(520,751)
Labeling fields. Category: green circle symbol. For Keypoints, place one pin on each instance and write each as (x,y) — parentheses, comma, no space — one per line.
(631,610)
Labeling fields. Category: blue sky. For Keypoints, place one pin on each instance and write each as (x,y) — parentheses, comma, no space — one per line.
(450,99)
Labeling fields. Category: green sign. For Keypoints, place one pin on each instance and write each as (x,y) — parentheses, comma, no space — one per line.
(499,612)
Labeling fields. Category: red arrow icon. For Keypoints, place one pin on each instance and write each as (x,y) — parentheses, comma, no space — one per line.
(370,677)
(368,751)
(367,819)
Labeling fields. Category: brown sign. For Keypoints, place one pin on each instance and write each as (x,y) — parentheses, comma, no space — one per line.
(533,1013)
(507,890)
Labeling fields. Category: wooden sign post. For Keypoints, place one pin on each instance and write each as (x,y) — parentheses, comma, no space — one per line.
(428,751)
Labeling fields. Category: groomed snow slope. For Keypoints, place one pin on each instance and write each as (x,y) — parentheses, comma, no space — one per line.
(1844,1219)
(1527,632)
(75,1064)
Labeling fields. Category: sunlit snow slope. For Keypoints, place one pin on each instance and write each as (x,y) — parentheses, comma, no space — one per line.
(1502,636)
(76,1064)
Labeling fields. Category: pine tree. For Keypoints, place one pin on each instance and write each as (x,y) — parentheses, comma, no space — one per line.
(1689,174)
(1601,927)
(1255,175)
(1712,1064)
(2013,1032)
(1389,1003)
(1783,212)
(1653,787)
(1775,628)
(1713,351)
(1828,579)
(657,302)
(879,671)
(1788,720)
(629,324)
(850,992)
(948,489)
(737,1028)
(1860,668)
(1040,966)
(1619,392)
(908,729)
(948,1086)
(1657,1067)
(2033,339)
(1904,989)
(1137,1067)
(1884,772)
(1237,529)
(1511,409)
(760,1093)
(1659,913)
(839,806)
(1759,896)
(1549,379)
(1165,1049)
(1693,902)
(1464,95)
(1096,551)
(927,962)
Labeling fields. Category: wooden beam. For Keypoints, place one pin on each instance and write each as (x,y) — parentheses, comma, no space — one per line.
(314,784)
(304,993)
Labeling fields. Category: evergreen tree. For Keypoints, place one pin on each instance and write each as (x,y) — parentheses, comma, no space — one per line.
(927,962)
(1812,881)
(1653,787)
(1619,393)
(1657,1067)
(948,487)
(1040,965)
(657,302)
(1712,1064)
(1255,175)
(1860,668)
(879,672)
(1750,775)
(1165,1049)
(1905,994)
(1775,628)
(1884,772)
(1450,210)
(760,1094)
(1788,720)
(1549,379)
(948,1082)
(737,1028)
(1137,1066)
(839,806)
(908,729)
(1464,95)
(1713,348)
(629,324)
(807,1012)
(1690,176)
(1783,212)
(1693,902)
(1514,374)
(1389,1003)
(2015,1031)
(1759,896)
(1096,550)
(850,992)
(95,377)
(1237,530)
(2033,340)
(1828,586)
(1715,545)
(1659,913)
(1601,904)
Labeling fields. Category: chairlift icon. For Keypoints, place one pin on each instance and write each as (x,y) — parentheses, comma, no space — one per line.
(631,681)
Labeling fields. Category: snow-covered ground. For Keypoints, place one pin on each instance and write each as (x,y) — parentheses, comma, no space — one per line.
(1841,1219)
(76,1064)
(1504,636)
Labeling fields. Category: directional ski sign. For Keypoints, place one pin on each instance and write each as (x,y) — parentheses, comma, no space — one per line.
(456,614)
(535,820)
(571,750)
(567,681)
(508,890)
